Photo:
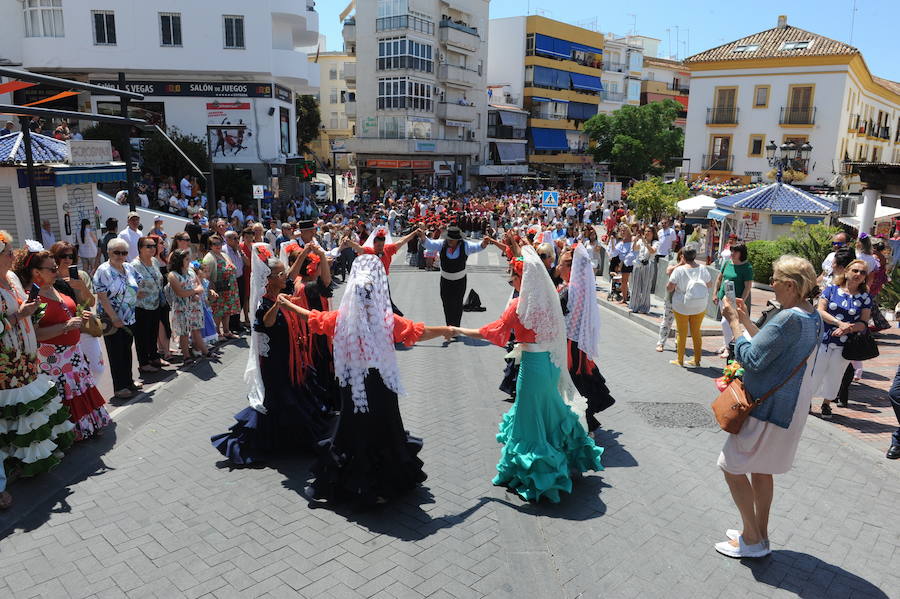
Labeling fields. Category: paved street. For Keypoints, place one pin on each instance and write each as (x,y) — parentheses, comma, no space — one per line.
(151,510)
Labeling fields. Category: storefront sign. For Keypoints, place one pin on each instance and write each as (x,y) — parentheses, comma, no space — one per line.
(41,179)
(457,124)
(218,89)
(408,164)
(426,146)
(283,94)
(89,151)
(36,93)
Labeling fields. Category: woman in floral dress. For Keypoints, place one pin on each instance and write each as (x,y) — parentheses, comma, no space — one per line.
(59,352)
(224,282)
(187,311)
(34,424)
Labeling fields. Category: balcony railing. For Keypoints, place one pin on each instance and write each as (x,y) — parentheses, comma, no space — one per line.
(717,163)
(883,133)
(454,111)
(459,27)
(459,36)
(405,22)
(505,132)
(793,115)
(454,74)
(615,67)
(613,96)
(853,122)
(727,115)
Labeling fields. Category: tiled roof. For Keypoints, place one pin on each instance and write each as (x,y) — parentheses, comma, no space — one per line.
(770,42)
(778,197)
(665,63)
(891,85)
(43,148)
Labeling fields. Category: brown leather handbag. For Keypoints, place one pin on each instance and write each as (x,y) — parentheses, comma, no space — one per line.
(733,405)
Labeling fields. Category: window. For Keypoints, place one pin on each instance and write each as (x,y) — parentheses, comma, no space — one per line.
(333,97)
(170,28)
(44,18)
(746,48)
(391,127)
(795,45)
(104,27)
(333,121)
(757,145)
(403,53)
(404,92)
(234,31)
(634,90)
(391,8)
(332,73)
(635,61)
(761,96)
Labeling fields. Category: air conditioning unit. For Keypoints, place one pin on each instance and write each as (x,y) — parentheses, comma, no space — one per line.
(471,135)
(849,204)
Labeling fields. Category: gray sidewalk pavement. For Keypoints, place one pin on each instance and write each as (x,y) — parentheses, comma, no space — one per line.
(152,511)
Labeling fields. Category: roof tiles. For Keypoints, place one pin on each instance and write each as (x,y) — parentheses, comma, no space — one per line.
(43,148)
(778,197)
(770,42)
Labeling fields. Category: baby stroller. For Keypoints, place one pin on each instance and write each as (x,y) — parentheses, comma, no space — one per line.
(615,288)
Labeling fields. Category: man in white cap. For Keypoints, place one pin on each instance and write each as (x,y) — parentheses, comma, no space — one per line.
(132,234)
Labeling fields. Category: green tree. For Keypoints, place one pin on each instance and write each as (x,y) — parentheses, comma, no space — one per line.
(637,140)
(162,159)
(308,122)
(106,131)
(653,199)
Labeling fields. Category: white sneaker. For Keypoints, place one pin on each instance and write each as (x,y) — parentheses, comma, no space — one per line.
(733,534)
(742,550)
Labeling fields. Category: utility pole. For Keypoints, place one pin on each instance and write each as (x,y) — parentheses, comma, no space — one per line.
(126,145)
(24,121)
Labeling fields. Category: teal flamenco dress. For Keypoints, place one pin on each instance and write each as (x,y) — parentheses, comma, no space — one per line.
(543,440)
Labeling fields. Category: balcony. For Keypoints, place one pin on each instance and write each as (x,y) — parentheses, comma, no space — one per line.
(350,110)
(454,111)
(727,115)
(802,115)
(615,67)
(404,22)
(452,74)
(350,74)
(459,37)
(613,96)
(853,122)
(298,21)
(293,69)
(349,32)
(883,133)
(505,132)
(718,163)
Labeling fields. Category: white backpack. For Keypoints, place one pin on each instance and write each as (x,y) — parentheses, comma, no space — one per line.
(696,288)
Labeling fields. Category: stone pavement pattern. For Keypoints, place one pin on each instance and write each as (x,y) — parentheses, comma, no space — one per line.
(155,513)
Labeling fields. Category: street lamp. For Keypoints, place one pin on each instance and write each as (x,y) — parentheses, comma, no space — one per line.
(787,156)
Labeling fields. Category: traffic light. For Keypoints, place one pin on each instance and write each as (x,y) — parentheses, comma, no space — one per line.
(306,170)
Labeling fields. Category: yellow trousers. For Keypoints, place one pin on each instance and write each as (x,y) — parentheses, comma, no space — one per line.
(694,322)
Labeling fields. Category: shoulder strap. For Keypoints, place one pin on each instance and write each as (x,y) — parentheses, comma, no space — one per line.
(796,368)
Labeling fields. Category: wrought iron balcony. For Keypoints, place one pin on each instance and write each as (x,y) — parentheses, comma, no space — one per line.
(727,115)
(794,115)
(713,162)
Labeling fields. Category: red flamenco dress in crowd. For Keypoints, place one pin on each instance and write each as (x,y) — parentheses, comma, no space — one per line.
(62,359)
(371,457)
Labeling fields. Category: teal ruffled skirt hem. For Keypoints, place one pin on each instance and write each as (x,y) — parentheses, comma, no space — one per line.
(543,439)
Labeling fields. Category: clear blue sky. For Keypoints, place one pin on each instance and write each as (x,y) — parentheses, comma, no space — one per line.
(707,24)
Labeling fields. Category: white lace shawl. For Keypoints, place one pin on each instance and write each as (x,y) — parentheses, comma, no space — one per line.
(539,310)
(364,335)
(259,342)
(284,251)
(370,240)
(583,319)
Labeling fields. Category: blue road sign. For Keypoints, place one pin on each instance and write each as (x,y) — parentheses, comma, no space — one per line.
(550,199)
(598,186)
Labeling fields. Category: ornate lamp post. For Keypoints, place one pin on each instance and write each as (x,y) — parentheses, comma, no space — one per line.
(789,156)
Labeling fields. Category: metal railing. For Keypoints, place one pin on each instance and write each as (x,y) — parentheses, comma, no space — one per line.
(404,22)
(797,115)
(615,67)
(727,115)
(712,162)
(458,27)
(609,96)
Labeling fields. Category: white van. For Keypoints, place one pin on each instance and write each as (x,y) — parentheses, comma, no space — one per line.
(320,191)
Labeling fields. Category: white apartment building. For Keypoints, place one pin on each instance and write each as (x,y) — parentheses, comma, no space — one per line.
(788,85)
(197,64)
(623,67)
(419,78)
(337,108)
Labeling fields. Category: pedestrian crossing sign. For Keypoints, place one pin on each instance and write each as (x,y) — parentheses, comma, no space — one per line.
(598,186)
(550,199)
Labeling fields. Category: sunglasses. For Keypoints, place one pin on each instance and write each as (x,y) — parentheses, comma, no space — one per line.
(118,253)
(838,244)
(66,257)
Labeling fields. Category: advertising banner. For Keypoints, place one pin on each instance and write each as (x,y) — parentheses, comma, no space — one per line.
(231,145)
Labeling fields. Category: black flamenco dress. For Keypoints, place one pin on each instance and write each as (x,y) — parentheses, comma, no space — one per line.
(294,420)
(586,376)
(313,295)
(371,456)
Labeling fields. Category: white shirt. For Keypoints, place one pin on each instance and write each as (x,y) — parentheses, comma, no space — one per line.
(185,187)
(145,201)
(666,239)
(625,251)
(236,257)
(238,214)
(870,260)
(223,209)
(132,238)
(682,276)
(49,238)
(828,264)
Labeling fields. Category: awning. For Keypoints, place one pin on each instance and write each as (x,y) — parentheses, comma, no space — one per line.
(580,111)
(517,120)
(549,139)
(539,99)
(586,82)
(552,46)
(718,214)
(778,219)
(553,78)
(74,176)
(510,152)
(882,213)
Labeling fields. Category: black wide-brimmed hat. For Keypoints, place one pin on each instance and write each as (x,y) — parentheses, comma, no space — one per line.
(304,225)
(454,232)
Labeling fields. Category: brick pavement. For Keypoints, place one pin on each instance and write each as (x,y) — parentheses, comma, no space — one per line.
(869,415)
(150,510)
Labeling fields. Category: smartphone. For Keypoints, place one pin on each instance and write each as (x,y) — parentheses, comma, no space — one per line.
(73,272)
(33,293)
(729,292)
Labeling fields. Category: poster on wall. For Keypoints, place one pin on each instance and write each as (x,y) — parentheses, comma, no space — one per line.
(230,145)
(284,127)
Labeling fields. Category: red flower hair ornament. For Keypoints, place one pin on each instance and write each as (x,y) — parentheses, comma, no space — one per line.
(263,253)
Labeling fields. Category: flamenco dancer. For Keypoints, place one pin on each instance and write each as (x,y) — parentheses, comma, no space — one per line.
(312,290)
(380,244)
(371,457)
(578,298)
(283,416)
(543,441)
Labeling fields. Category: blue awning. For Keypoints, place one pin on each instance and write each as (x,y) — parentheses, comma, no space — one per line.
(718,214)
(108,175)
(778,219)
(539,99)
(549,139)
(583,48)
(586,82)
(550,45)
(581,111)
